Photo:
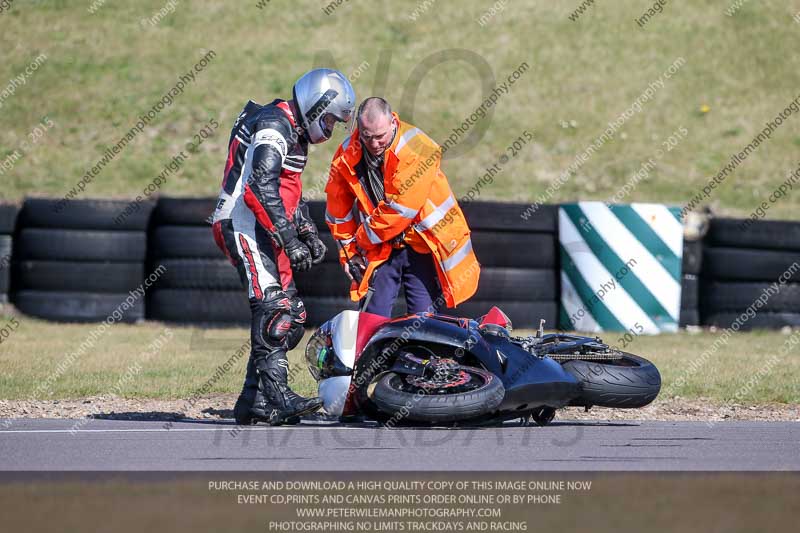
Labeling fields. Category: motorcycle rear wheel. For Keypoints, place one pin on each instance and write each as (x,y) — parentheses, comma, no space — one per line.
(405,397)
(630,381)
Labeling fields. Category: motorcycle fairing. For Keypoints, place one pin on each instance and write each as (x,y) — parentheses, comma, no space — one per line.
(351,330)
(529,380)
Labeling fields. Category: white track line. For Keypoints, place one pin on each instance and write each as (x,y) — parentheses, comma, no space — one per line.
(145,430)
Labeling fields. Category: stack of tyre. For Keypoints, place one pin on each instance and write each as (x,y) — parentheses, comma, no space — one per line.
(690,283)
(519,262)
(198,284)
(8,217)
(751,265)
(79,261)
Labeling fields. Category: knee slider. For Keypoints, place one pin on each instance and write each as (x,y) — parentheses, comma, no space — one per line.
(277,318)
(276,327)
(283,320)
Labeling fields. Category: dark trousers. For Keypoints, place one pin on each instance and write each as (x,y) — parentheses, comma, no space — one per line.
(417,274)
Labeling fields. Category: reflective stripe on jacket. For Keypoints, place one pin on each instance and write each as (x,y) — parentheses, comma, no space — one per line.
(418,202)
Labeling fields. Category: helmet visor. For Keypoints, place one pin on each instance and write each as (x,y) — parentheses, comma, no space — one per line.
(328,122)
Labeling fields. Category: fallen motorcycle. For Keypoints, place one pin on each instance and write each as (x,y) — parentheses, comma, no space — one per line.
(432,368)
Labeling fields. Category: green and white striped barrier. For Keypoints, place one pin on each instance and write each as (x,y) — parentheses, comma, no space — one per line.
(620,267)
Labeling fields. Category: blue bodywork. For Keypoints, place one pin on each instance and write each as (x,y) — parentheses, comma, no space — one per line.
(530,381)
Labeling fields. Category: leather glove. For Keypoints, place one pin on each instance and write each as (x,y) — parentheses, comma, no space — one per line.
(285,236)
(299,255)
(316,246)
(310,236)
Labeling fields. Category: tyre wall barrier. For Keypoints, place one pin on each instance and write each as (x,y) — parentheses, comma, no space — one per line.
(78,261)
(518,252)
(751,274)
(691,268)
(199,284)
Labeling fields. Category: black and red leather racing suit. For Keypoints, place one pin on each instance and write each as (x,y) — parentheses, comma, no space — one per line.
(261,195)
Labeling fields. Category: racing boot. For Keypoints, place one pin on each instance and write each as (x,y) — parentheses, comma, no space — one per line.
(277,404)
(249,397)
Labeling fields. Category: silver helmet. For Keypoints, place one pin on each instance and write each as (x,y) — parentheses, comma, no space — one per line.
(323,97)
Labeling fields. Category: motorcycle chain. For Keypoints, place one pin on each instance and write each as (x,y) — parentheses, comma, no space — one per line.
(605,356)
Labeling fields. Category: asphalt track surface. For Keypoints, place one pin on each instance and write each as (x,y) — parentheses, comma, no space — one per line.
(120,445)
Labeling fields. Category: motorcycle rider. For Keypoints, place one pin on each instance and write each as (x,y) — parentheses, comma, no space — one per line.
(264,229)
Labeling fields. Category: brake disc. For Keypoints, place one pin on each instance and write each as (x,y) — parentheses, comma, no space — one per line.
(446,373)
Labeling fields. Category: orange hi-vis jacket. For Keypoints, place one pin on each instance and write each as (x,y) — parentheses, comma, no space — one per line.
(418,202)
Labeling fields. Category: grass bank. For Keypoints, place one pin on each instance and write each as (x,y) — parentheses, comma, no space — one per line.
(109,63)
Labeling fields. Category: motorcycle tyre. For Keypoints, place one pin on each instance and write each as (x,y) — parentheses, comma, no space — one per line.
(610,385)
(441,407)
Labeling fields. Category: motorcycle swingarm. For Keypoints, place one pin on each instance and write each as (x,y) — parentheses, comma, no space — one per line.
(569,344)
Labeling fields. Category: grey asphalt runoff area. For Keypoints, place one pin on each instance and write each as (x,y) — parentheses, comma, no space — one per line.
(101,445)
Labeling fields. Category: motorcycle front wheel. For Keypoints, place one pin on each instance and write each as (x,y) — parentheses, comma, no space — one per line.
(464,393)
